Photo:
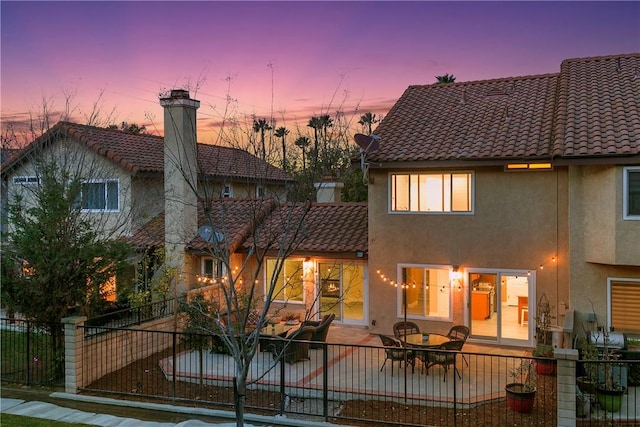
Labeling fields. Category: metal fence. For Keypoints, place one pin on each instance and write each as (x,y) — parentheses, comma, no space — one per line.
(130,316)
(608,392)
(27,354)
(338,383)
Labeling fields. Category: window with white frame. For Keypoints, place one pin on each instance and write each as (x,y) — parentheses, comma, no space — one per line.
(431,192)
(211,271)
(631,195)
(227,191)
(26,180)
(289,284)
(428,292)
(624,300)
(100,195)
(260,191)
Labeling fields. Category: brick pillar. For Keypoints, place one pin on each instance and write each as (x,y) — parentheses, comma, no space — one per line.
(566,386)
(73,352)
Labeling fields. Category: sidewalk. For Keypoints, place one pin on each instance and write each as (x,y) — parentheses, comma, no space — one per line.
(141,413)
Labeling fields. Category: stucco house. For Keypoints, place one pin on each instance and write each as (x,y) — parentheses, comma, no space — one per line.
(485,196)
(156,192)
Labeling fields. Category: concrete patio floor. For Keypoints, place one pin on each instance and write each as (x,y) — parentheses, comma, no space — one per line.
(354,372)
(354,360)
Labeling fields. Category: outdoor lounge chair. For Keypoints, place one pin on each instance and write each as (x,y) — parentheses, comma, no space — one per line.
(322,329)
(444,358)
(394,351)
(294,347)
(401,329)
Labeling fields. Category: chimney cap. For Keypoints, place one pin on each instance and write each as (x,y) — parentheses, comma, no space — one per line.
(179,93)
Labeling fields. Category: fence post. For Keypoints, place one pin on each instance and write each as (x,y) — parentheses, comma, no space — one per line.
(566,380)
(73,352)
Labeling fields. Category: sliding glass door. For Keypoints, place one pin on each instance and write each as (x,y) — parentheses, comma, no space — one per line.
(499,303)
(341,291)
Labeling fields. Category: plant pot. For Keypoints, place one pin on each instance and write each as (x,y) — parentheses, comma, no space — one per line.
(546,367)
(518,399)
(610,400)
(586,385)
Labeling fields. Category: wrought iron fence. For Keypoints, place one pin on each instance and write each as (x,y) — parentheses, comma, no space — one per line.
(337,383)
(28,355)
(608,391)
(130,316)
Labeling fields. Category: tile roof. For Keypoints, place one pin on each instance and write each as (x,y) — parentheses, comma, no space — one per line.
(336,228)
(235,218)
(588,109)
(598,112)
(143,153)
(331,228)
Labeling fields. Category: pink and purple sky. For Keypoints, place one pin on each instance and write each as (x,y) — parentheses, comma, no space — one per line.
(288,60)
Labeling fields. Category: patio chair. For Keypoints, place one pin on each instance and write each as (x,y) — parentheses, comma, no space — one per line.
(394,351)
(442,358)
(401,329)
(294,347)
(322,329)
(459,332)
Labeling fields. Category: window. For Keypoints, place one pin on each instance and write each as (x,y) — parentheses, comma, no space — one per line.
(428,292)
(624,300)
(260,191)
(226,191)
(631,196)
(212,268)
(211,271)
(431,192)
(26,180)
(100,195)
(289,284)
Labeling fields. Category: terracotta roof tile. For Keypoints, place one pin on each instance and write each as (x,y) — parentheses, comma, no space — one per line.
(477,120)
(590,108)
(235,218)
(150,234)
(332,228)
(326,227)
(599,112)
(145,153)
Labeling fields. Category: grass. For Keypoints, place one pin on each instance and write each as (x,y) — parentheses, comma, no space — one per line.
(26,357)
(10,420)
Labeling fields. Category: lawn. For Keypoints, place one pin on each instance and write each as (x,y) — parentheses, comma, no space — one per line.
(26,357)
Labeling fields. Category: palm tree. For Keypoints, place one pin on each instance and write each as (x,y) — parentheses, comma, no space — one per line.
(325,122)
(446,78)
(316,124)
(303,143)
(261,126)
(282,132)
(367,120)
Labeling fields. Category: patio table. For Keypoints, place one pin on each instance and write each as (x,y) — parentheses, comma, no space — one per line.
(425,340)
(271,331)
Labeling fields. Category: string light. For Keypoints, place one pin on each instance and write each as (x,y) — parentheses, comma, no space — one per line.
(542,265)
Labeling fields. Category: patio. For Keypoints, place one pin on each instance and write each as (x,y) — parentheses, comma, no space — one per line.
(353,362)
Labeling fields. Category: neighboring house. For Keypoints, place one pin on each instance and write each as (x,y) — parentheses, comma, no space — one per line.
(484,196)
(141,188)
(130,179)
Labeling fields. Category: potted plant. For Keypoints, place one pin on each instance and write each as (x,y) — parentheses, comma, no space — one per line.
(521,393)
(543,348)
(291,318)
(609,388)
(588,355)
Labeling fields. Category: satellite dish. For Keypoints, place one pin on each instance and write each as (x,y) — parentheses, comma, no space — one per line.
(367,144)
(209,235)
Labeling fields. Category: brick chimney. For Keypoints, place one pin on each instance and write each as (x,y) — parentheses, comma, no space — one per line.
(180,177)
